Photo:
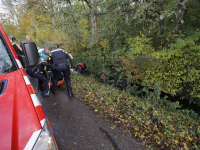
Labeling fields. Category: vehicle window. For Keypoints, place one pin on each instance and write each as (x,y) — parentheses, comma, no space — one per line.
(6,63)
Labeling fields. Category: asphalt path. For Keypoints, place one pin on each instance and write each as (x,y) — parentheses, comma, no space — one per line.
(76,127)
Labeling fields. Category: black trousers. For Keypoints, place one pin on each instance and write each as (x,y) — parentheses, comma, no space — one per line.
(56,73)
(40,76)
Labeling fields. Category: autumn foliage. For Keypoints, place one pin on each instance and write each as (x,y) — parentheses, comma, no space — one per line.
(153,125)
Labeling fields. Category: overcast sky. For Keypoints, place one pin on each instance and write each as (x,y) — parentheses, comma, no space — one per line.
(2,10)
(0,6)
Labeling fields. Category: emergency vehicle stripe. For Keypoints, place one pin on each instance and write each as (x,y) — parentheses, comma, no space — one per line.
(41,114)
(23,72)
(42,122)
(28,83)
(36,102)
(26,80)
(39,110)
(19,63)
(30,89)
(49,122)
(57,50)
(32,140)
(35,99)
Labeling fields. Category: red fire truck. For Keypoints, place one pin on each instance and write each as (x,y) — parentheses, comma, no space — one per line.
(24,124)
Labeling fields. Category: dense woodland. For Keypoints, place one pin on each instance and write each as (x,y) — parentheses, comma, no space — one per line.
(141,41)
(152,43)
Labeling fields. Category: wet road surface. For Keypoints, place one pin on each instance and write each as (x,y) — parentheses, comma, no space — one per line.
(76,127)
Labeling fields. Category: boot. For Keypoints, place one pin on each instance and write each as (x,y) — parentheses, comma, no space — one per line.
(45,93)
(70,94)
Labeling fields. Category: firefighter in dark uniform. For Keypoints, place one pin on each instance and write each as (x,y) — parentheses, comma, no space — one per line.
(37,72)
(61,62)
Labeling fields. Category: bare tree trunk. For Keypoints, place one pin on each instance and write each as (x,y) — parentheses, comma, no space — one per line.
(53,22)
(161,23)
(93,17)
(180,12)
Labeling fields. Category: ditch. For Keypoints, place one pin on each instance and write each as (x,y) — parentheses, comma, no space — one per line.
(121,84)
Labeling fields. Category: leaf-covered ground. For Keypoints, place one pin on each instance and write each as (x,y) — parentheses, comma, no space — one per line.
(157,129)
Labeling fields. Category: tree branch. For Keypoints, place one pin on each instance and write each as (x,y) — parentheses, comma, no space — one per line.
(88,3)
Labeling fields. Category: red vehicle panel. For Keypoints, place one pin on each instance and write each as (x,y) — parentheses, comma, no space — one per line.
(15,103)
(24,124)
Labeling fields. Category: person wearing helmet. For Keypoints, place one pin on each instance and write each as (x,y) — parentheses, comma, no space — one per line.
(10,38)
(82,67)
(61,62)
(16,46)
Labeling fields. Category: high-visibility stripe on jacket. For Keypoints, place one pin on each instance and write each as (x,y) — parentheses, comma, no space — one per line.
(57,55)
(57,50)
(13,43)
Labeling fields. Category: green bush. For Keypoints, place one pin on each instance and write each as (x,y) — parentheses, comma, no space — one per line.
(177,67)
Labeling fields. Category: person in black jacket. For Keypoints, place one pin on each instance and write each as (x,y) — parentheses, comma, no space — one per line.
(61,62)
(38,72)
(17,46)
